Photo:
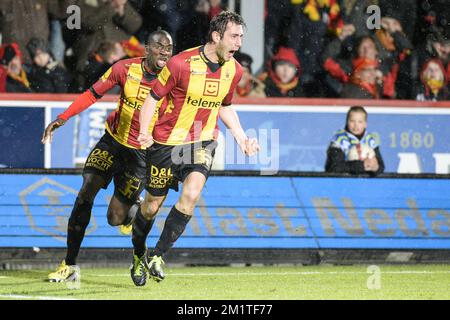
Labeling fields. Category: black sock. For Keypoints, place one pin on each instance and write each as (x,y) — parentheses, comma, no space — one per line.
(174,227)
(141,229)
(78,222)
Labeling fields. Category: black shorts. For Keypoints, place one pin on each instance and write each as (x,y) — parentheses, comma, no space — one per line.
(169,165)
(111,159)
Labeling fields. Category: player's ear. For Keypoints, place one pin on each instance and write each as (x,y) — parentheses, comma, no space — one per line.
(216,36)
(147,49)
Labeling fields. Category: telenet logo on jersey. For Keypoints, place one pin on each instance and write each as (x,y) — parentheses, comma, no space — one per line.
(203,103)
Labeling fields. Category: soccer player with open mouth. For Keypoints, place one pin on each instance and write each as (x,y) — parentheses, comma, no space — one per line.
(198,86)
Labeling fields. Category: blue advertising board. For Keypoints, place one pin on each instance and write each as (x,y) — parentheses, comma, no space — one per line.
(296,139)
(247,212)
(292,138)
(414,143)
(20,134)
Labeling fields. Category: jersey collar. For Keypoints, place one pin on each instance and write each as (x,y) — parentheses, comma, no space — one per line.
(148,74)
(211,65)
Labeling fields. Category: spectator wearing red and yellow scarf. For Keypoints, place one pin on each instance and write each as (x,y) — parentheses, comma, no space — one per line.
(13,77)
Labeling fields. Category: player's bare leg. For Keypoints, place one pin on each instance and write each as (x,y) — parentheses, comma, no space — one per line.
(117,212)
(122,214)
(143,222)
(78,222)
(176,221)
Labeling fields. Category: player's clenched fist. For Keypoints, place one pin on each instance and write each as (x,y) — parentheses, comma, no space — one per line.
(145,140)
(48,132)
(250,147)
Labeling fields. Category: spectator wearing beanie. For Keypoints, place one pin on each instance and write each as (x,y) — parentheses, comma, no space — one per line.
(395,50)
(365,81)
(13,77)
(45,75)
(282,78)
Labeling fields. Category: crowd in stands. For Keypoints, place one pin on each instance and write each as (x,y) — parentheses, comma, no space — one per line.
(312,48)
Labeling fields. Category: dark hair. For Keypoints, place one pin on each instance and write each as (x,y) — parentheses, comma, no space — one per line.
(361,39)
(151,37)
(355,109)
(36,44)
(219,23)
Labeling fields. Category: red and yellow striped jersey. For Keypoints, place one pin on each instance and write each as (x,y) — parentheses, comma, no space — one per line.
(136,82)
(195,89)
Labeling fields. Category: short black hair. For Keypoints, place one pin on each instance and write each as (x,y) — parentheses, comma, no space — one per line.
(219,23)
(151,37)
(355,109)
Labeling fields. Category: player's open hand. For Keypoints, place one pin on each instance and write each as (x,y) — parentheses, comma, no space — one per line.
(48,132)
(145,140)
(251,147)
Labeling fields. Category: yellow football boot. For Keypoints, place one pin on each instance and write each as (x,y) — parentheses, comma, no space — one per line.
(64,273)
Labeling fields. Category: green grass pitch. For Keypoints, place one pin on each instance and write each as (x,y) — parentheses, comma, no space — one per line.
(234,283)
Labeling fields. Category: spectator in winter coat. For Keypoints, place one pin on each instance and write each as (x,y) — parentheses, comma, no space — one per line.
(282,78)
(46,75)
(365,82)
(21,20)
(99,62)
(13,77)
(433,84)
(103,20)
(353,150)
(339,64)
(436,46)
(310,23)
(395,50)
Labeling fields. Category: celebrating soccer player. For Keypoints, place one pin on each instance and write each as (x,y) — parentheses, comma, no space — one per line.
(198,85)
(118,154)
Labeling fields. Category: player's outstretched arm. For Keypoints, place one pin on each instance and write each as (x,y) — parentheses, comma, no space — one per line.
(231,120)
(48,132)
(80,104)
(145,118)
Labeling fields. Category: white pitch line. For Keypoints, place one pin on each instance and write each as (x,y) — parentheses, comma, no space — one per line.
(277,273)
(3,277)
(16,296)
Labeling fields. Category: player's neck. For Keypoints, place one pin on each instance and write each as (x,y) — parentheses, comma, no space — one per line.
(210,52)
(149,67)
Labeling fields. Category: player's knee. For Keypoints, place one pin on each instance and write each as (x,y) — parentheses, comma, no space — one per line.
(91,186)
(149,209)
(191,195)
(116,217)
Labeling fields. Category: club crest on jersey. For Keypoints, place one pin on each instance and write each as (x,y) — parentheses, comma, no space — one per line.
(211,88)
(142,93)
